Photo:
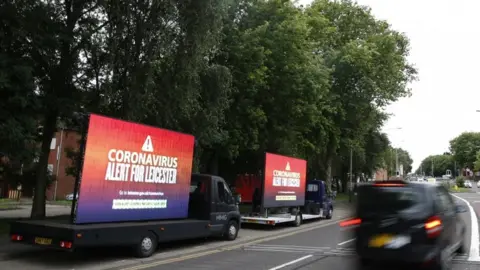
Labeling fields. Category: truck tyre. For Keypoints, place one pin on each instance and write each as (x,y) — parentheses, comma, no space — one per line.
(329,213)
(231,231)
(147,245)
(298,220)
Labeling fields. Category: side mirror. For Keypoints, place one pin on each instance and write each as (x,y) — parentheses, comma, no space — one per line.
(238,199)
(460,208)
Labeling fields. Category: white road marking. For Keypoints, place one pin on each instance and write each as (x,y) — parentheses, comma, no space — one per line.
(346,242)
(291,262)
(474,254)
(288,247)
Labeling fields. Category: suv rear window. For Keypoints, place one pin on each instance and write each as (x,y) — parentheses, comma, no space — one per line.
(373,199)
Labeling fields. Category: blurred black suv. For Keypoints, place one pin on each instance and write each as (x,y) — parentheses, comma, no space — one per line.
(406,224)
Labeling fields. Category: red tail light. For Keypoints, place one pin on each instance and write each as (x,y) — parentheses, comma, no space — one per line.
(16,237)
(351,222)
(66,244)
(433,227)
(388,185)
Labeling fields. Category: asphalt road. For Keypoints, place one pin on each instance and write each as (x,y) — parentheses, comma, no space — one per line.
(14,256)
(323,248)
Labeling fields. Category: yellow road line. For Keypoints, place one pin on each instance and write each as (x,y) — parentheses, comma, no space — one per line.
(206,253)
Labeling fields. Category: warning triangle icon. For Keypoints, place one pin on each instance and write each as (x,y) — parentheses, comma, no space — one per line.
(147,145)
(287,168)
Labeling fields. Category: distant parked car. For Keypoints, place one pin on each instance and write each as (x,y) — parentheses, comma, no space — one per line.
(69,197)
(467,184)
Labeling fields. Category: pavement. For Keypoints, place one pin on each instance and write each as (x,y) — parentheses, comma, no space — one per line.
(315,245)
(24,211)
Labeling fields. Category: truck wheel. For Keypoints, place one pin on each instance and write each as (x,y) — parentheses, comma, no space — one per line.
(298,220)
(329,213)
(147,246)
(231,231)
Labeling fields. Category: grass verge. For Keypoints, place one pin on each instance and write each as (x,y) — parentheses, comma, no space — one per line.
(460,190)
(8,204)
(60,202)
(341,197)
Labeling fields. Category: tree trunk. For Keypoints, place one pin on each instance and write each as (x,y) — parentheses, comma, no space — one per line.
(38,207)
(328,173)
(213,163)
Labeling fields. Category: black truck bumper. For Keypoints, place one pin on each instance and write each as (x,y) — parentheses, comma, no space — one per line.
(64,236)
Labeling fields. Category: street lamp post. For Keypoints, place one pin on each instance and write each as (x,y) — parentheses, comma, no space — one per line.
(351,176)
(397,172)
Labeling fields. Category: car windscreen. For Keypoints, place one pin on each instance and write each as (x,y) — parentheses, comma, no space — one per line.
(388,200)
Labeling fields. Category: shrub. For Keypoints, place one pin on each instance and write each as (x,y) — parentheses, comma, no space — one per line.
(460,181)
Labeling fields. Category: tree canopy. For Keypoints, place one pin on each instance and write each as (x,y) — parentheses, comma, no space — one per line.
(465,147)
(464,153)
(243,76)
(439,163)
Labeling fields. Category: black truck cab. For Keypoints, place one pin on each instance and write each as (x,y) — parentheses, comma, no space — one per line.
(211,199)
(213,212)
(317,201)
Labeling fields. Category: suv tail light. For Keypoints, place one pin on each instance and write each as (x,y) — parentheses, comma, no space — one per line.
(351,222)
(433,227)
(389,185)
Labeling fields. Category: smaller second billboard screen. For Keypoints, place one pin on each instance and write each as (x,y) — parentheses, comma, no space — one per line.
(284,183)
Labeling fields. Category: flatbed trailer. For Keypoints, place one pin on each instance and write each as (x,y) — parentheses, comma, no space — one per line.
(62,235)
(130,194)
(279,219)
(317,206)
(212,218)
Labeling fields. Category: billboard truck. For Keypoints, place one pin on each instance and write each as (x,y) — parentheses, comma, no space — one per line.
(136,188)
(286,195)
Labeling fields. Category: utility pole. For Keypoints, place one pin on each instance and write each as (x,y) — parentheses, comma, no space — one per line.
(397,172)
(432,169)
(351,176)
(454,170)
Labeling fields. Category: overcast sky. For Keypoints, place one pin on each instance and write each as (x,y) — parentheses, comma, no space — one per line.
(445,48)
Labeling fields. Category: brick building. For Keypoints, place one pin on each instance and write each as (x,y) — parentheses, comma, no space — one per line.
(58,162)
(381,174)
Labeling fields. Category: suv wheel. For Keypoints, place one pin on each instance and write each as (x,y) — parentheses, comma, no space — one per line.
(444,262)
(363,264)
(462,248)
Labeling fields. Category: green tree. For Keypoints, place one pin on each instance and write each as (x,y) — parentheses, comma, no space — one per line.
(440,163)
(403,159)
(279,84)
(465,148)
(369,69)
(18,100)
(476,165)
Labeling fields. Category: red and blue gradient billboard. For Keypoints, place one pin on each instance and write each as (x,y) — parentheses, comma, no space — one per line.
(284,183)
(133,172)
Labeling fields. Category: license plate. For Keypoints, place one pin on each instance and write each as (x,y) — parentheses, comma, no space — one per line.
(43,241)
(380,240)
(389,241)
